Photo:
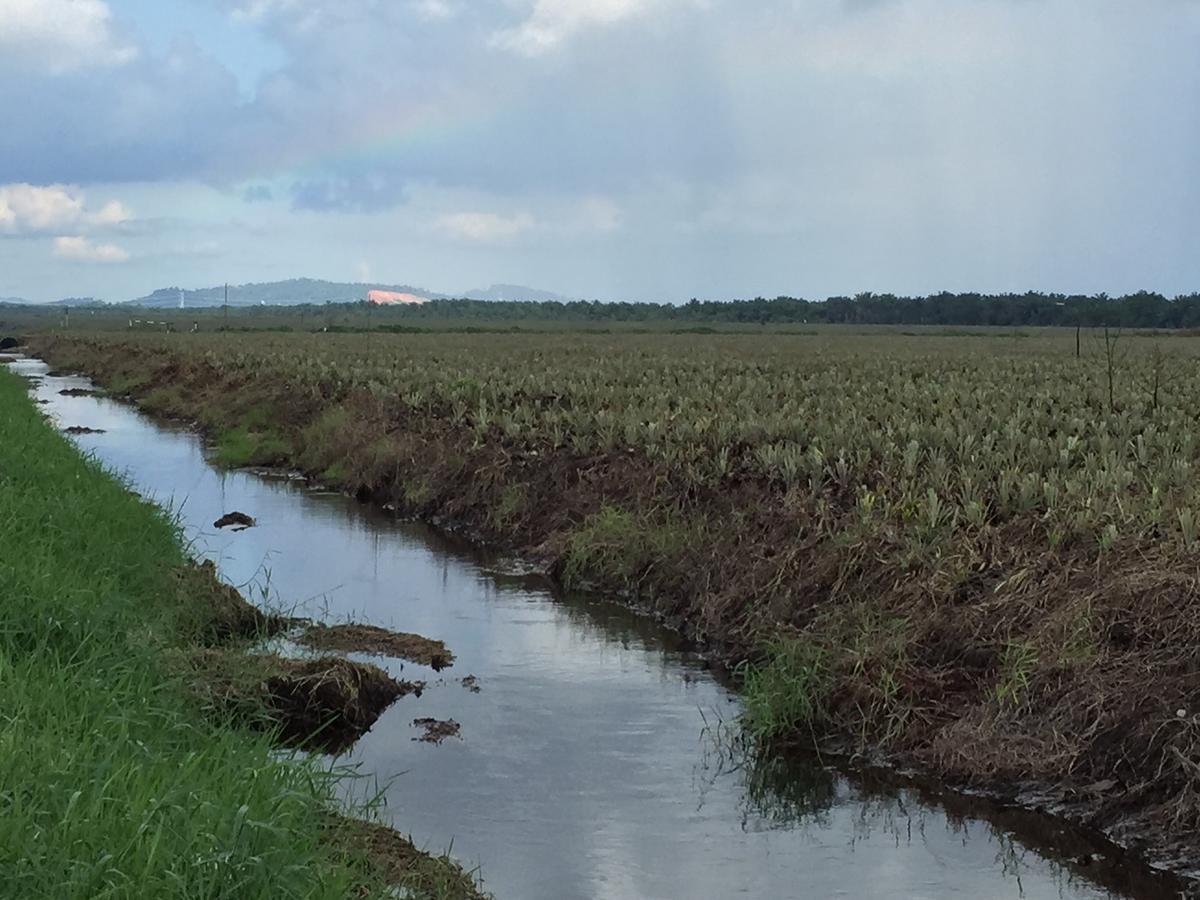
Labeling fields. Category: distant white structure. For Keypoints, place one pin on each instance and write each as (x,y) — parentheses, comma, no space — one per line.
(393,298)
(181,299)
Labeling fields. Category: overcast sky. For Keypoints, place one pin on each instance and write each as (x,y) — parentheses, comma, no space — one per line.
(617,149)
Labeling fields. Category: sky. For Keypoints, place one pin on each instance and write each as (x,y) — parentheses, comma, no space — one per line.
(608,149)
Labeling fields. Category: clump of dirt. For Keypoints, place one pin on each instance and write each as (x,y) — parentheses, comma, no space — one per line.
(395,860)
(59,373)
(220,612)
(83,429)
(322,704)
(5,358)
(330,702)
(234,519)
(80,392)
(471,683)
(437,730)
(379,641)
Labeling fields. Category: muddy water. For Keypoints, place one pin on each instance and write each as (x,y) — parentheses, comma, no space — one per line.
(593,761)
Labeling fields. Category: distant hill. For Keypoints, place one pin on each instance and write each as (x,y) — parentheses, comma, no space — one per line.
(298,291)
(516,292)
(77,301)
(293,292)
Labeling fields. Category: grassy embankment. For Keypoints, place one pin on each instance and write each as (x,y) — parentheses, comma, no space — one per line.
(114,782)
(974,554)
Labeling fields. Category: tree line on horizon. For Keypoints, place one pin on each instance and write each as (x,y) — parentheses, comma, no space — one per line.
(1143,309)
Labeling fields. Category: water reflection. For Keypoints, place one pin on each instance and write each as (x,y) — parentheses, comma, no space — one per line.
(801,791)
(597,761)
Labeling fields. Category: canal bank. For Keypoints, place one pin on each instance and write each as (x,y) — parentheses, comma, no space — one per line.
(596,740)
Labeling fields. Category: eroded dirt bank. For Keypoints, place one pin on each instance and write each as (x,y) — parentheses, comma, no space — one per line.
(1006,664)
(325,703)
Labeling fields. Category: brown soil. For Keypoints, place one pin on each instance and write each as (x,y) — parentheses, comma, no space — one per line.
(80,392)
(323,704)
(329,703)
(437,730)
(234,518)
(1002,662)
(380,642)
(395,860)
(82,429)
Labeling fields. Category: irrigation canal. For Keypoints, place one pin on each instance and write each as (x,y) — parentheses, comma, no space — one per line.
(597,759)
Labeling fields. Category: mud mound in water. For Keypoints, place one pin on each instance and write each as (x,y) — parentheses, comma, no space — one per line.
(331,702)
(315,704)
(80,392)
(380,642)
(221,613)
(83,429)
(239,519)
(437,730)
(395,860)
(6,358)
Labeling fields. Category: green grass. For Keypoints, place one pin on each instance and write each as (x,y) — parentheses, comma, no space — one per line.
(620,547)
(242,446)
(111,784)
(787,691)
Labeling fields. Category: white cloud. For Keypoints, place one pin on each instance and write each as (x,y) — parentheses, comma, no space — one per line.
(895,40)
(600,214)
(27,207)
(30,208)
(435,10)
(78,247)
(551,22)
(60,35)
(484,226)
(111,213)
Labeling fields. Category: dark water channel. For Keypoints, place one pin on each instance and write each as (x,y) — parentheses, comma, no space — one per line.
(594,761)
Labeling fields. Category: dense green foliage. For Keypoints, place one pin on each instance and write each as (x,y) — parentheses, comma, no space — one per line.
(929,435)
(111,784)
(1032,309)
(1142,310)
(973,549)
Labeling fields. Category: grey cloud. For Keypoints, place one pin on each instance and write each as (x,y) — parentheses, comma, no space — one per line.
(777,145)
(349,193)
(151,119)
(258,193)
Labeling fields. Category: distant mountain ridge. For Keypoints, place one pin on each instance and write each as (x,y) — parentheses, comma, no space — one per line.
(77,301)
(298,291)
(293,292)
(517,292)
